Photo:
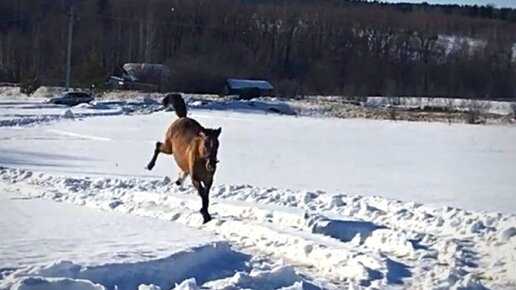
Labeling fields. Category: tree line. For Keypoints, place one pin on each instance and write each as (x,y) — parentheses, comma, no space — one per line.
(329,47)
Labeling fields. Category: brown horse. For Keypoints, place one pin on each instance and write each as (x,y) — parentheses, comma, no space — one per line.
(194,148)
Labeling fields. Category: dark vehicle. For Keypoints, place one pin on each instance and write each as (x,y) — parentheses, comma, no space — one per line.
(72,99)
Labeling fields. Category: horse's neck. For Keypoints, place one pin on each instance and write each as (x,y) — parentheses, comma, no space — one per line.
(197,149)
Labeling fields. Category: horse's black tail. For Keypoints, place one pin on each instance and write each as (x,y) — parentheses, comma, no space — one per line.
(177,102)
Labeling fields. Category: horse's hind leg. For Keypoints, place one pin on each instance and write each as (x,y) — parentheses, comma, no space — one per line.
(160,148)
(181,178)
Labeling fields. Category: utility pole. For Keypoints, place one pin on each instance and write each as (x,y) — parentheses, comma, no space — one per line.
(69,48)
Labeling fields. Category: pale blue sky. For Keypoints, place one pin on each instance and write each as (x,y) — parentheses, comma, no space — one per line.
(497,3)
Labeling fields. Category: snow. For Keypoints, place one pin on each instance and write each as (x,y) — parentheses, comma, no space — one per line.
(493,107)
(36,111)
(453,43)
(242,84)
(10,92)
(508,234)
(22,111)
(106,248)
(386,242)
(277,278)
(298,203)
(431,163)
(39,283)
(48,92)
(141,70)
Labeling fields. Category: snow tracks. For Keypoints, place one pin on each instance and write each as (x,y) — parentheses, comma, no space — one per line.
(316,239)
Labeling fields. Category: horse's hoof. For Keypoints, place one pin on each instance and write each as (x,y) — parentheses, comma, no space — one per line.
(178,183)
(150,166)
(206,218)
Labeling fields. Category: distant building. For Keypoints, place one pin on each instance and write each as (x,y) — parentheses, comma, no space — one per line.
(140,76)
(248,89)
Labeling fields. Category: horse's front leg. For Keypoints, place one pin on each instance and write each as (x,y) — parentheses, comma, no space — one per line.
(204,194)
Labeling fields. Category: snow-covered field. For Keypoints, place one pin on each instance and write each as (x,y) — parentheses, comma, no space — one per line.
(299,202)
(51,240)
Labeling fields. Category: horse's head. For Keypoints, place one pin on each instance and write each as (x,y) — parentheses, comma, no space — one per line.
(210,147)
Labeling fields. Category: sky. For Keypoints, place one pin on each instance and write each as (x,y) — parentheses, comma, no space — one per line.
(497,3)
